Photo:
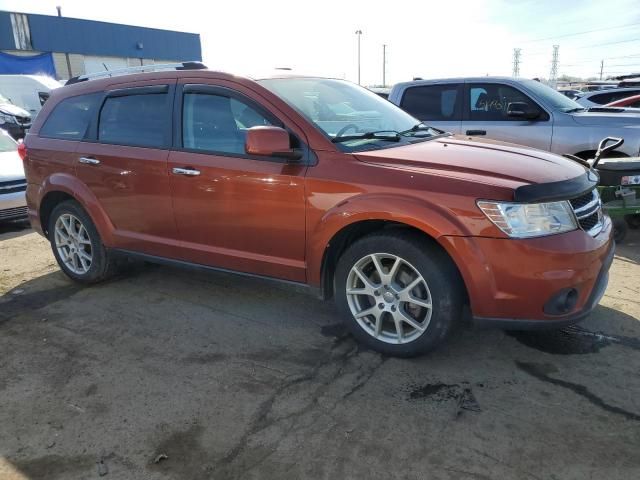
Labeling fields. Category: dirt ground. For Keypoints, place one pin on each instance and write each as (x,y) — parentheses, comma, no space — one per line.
(171,374)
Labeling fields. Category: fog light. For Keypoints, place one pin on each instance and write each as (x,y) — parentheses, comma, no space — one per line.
(562,302)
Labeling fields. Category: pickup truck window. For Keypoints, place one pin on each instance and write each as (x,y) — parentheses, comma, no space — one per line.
(433,102)
(216,123)
(489,101)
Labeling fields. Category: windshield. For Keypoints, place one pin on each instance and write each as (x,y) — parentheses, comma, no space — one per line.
(4,99)
(7,144)
(552,97)
(345,111)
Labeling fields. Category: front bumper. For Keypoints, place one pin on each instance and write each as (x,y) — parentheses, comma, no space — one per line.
(510,281)
(13,206)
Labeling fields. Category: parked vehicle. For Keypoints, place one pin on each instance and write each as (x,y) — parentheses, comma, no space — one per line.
(28,92)
(573,94)
(627,102)
(13,204)
(382,91)
(400,223)
(14,120)
(516,110)
(601,98)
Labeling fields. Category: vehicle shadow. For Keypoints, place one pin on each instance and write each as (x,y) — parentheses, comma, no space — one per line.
(629,249)
(14,229)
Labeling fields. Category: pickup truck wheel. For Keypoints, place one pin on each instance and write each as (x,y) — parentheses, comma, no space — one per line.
(76,244)
(399,294)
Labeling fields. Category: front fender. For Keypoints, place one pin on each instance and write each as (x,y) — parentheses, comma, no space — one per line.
(71,185)
(434,220)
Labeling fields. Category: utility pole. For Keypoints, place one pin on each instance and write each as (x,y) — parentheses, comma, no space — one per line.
(601,68)
(359,34)
(384,65)
(553,77)
(516,62)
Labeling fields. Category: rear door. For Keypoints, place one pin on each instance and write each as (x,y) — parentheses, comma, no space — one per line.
(485,115)
(123,161)
(438,105)
(234,210)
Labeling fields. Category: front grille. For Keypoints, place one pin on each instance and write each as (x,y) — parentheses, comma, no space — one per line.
(17,212)
(13,186)
(588,211)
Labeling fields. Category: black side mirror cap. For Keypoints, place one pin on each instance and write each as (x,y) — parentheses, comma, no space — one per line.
(522,110)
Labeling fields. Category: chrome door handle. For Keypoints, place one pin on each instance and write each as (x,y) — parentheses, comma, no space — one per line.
(186,171)
(89,161)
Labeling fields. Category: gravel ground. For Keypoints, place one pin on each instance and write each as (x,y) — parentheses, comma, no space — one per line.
(170,374)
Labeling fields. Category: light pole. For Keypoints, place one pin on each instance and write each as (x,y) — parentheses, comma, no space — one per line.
(358,33)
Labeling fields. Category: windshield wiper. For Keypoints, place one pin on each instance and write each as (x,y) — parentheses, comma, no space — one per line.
(416,128)
(376,135)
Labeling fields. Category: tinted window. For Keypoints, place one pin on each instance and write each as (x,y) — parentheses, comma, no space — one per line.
(70,119)
(136,120)
(489,101)
(433,102)
(604,98)
(217,123)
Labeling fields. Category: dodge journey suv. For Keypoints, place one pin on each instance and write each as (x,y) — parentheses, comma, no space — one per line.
(318,182)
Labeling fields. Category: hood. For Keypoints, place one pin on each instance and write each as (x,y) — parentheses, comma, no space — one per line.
(619,117)
(11,109)
(11,167)
(480,160)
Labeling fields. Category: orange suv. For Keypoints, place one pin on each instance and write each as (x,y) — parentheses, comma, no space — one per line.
(318,182)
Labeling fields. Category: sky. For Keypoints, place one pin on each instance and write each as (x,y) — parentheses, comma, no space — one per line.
(428,39)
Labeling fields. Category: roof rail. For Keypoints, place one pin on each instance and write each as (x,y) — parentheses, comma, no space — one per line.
(158,67)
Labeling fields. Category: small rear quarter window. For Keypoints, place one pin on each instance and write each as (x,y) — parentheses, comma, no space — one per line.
(70,119)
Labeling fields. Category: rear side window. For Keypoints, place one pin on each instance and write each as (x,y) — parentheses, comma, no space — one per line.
(70,119)
(604,98)
(139,120)
(433,102)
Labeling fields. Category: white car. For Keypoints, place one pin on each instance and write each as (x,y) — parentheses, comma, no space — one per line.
(13,203)
(599,98)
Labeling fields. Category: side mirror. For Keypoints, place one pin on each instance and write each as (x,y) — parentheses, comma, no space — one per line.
(270,142)
(522,110)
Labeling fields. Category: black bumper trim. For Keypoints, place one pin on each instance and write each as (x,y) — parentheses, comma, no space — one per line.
(552,323)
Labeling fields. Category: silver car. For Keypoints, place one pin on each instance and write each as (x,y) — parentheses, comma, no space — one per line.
(602,97)
(13,204)
(515,110)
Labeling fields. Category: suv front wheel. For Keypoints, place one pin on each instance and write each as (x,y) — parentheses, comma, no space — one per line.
(76,244)
(399,293)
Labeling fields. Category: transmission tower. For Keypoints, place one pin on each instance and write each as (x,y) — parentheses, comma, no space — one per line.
(553,76)
(516,62)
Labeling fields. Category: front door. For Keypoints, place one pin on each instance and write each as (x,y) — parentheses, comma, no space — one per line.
(126,168)
(485,115)
(233,210)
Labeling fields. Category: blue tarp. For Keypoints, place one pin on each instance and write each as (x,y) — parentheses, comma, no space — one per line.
(41,64)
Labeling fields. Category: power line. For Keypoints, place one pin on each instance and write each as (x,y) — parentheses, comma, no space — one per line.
(582,33)
(609,43)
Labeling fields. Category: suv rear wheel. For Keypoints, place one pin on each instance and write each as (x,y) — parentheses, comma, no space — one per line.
(399,294)
(76,244)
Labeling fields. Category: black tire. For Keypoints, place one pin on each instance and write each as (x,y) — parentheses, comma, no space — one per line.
(438,271)
(102,266)
(620,229)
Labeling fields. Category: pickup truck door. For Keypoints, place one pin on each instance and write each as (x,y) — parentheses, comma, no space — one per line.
(438,105)
(485,115)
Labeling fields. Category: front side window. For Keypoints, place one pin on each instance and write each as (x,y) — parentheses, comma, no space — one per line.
(351,116)
(70,119)
(433,102)
(489,101)
(217,123)
(139,120)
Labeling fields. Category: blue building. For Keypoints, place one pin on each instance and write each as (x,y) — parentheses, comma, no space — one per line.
(65,47)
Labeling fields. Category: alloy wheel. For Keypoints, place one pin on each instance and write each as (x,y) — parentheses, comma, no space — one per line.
(389,298)
(73,243)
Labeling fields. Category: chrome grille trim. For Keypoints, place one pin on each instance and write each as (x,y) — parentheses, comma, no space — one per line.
(589,215)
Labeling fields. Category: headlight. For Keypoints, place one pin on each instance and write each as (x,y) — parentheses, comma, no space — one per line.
(4,118)
(526,220)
